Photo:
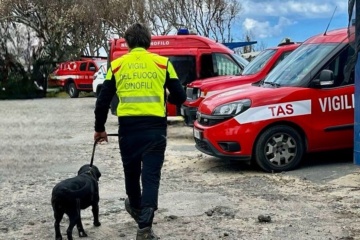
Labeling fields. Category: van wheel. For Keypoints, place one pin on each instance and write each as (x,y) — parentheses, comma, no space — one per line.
(279,148)
(73,92)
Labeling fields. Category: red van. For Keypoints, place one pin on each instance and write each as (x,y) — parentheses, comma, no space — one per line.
(306,104)
(75,76)
(255,71)
(193,56)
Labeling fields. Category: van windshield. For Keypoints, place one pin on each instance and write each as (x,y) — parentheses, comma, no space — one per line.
(259,62)
(185,68)
(298,64)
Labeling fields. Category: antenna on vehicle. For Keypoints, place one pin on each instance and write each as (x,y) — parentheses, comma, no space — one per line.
(330,21)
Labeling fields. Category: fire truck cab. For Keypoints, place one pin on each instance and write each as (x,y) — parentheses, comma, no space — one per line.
(306,104)
(193,57)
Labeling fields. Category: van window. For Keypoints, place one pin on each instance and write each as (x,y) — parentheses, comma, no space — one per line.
(225,65)
(91,65)
(103,68)
(185,68)
(83,66)
(338,66)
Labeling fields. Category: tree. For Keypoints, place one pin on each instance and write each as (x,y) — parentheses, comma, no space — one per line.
(120,14)
(210,18)
(59,30)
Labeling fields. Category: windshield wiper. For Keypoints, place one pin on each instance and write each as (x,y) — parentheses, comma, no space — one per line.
(273,84)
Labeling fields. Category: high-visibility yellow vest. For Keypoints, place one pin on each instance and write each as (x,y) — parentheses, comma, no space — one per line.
(140,79)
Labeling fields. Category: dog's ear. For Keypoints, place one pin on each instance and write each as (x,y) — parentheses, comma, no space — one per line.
(97,172)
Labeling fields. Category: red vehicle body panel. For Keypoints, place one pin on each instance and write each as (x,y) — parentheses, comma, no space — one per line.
(279,105)
(323,116)
(212,86)
(177,45)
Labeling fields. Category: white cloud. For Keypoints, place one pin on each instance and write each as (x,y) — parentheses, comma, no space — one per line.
(264,29)
(266,19)
(293,8)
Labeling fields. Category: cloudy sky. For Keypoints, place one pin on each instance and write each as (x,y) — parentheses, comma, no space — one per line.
(269,21)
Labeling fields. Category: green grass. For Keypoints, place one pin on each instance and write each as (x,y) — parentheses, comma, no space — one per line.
(57,93)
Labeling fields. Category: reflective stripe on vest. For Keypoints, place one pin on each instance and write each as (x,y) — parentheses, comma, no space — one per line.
(140,79)
(140,99)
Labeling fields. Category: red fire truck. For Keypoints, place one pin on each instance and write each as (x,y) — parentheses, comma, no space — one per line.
(75,76)
(255,71)
(193,57)
(306,104)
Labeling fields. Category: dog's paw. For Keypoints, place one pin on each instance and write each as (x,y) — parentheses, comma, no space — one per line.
(97,224)
(82,234)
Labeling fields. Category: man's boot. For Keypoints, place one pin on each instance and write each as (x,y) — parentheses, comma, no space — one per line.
(145,223)
(145,234)
(134,213)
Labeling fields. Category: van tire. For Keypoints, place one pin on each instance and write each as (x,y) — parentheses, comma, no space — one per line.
(279,148)
(72,91)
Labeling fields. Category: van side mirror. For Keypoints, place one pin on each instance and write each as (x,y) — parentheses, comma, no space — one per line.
(93,69)
(326,78)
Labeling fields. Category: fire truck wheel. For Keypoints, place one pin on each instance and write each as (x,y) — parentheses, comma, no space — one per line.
(73,92)
(279,148)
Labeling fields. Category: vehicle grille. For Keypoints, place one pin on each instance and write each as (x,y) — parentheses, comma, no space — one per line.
(207,120)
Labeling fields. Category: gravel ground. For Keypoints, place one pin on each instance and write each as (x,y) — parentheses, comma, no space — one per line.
(44,141)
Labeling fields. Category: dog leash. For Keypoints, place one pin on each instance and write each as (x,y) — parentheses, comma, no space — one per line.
(96,142)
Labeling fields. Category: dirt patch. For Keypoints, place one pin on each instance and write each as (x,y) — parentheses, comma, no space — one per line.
(46,140)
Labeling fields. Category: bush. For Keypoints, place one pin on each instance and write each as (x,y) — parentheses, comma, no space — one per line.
(18,86)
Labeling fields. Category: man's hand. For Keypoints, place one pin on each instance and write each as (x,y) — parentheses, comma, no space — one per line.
(100,137)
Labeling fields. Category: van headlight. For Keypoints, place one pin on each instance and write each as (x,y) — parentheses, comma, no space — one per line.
(233,108)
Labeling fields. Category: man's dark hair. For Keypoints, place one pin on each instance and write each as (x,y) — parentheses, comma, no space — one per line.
(137,35)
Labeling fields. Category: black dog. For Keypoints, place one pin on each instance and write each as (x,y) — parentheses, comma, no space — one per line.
(73,194)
